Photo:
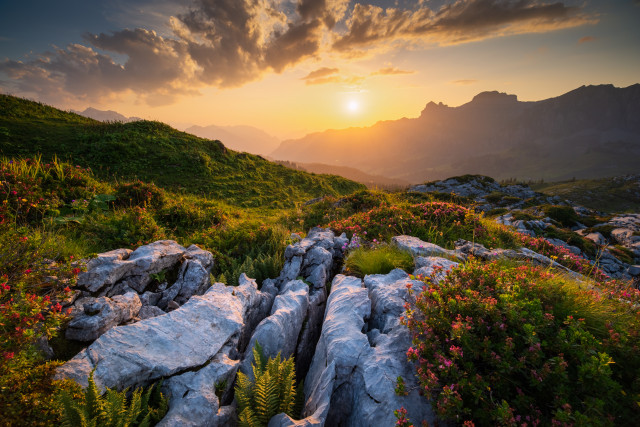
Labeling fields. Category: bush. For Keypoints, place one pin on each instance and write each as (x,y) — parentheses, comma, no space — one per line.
(377,260)
(565,215)
(272,391)
(114,409)
(139,193)
(504,345)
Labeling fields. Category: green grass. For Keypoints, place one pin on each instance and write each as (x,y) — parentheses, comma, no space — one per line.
(380,260)
(155,152)
(605,195)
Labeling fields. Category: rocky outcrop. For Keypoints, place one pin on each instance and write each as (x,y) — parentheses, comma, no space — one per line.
(160,347)
(363,341)
(115,286)
(95,316)
(434,267)
(279,332)
(419,248)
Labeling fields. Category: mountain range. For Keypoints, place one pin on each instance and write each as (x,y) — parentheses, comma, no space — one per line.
(239,138)
(590,132)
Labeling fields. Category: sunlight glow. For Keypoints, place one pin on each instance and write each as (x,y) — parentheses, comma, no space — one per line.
(353,106)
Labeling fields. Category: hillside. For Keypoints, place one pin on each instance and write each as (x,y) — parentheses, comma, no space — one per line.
(371,181)
(155,152)
(618,194)
(105,116)
(239,138)
(590,132)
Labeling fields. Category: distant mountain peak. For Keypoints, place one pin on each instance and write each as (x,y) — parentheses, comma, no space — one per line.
(494,98)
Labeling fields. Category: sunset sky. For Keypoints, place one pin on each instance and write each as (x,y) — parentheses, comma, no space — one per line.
(295,66)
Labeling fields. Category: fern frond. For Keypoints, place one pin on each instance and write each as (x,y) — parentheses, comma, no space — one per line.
(133,411)
(244,391)
(72,415)
(114,406)
(298,405)
(266,398)
(92,400)
(248,419)
(259,359)
(286,386)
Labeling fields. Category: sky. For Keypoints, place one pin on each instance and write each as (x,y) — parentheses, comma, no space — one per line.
(291,67)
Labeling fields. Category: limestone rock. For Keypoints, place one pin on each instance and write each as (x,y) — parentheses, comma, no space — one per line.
(419,248)
(279,332)
(434,267)
(101,314)
(141,353)
(149,311)
(192,395)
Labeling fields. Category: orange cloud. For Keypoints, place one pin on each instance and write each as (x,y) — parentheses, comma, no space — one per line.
(463,82)
(390,71)
(586,39)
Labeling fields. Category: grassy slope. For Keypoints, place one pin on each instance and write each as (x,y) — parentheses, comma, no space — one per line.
(155,152)
(607,195)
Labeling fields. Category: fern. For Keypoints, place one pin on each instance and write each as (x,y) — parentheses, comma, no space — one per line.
(143,409)
(272,391)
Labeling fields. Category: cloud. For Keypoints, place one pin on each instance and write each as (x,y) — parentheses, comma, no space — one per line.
(228,43)
(458,22)
(391,71)
(463,82)
(587,39)
(320,72)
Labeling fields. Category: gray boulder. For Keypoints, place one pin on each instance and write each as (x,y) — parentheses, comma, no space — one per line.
(149,311)
(193,279)
(433,267)
(279,332)
(192,396)
(141,353)
(419,248)
(98,315)
(365,372)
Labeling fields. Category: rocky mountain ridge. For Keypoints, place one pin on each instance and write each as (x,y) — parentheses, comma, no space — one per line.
(590,132)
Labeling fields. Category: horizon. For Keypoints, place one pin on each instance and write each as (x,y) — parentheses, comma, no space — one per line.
(308,66)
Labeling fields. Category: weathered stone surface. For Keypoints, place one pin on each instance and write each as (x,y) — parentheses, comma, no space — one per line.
(279,332)
(193,279)
(365,373)
(596,238)
(150,298)
(312,326)
(258,305)
(388,294)
(104,270)
(434,267)
(133,268)
(192,395)
(419,248)
(140,353)
(317,406)
(205,258)
(149,311)
(98,315)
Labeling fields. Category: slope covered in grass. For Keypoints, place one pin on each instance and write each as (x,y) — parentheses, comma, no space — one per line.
(155,152)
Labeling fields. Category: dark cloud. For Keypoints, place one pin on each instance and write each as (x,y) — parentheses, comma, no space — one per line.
(226,43)
(458,22)
(390,71)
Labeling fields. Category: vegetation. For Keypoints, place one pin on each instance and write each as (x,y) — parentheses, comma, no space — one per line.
(154,152)
(501,344)
(114,409)
(377,260)
(606,195)
(272,390)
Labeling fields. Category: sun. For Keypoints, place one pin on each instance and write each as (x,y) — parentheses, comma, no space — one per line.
(353,106)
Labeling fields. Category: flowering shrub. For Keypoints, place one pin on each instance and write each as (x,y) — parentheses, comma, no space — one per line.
(516,345)
(562,255)
(134,226)
(139,193)
(437,222)
(31,189)
(31,290)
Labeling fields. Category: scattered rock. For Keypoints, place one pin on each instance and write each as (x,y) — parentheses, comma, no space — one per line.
(419,248)
(101,314)
(434,267)
(149,311)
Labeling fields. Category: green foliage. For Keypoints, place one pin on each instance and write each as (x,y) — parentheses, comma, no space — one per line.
(114,409)
(435,222)
(503,344)
(139,193)
(574,239)
(378,260)
(272,391)
(565,215)
(154,152)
